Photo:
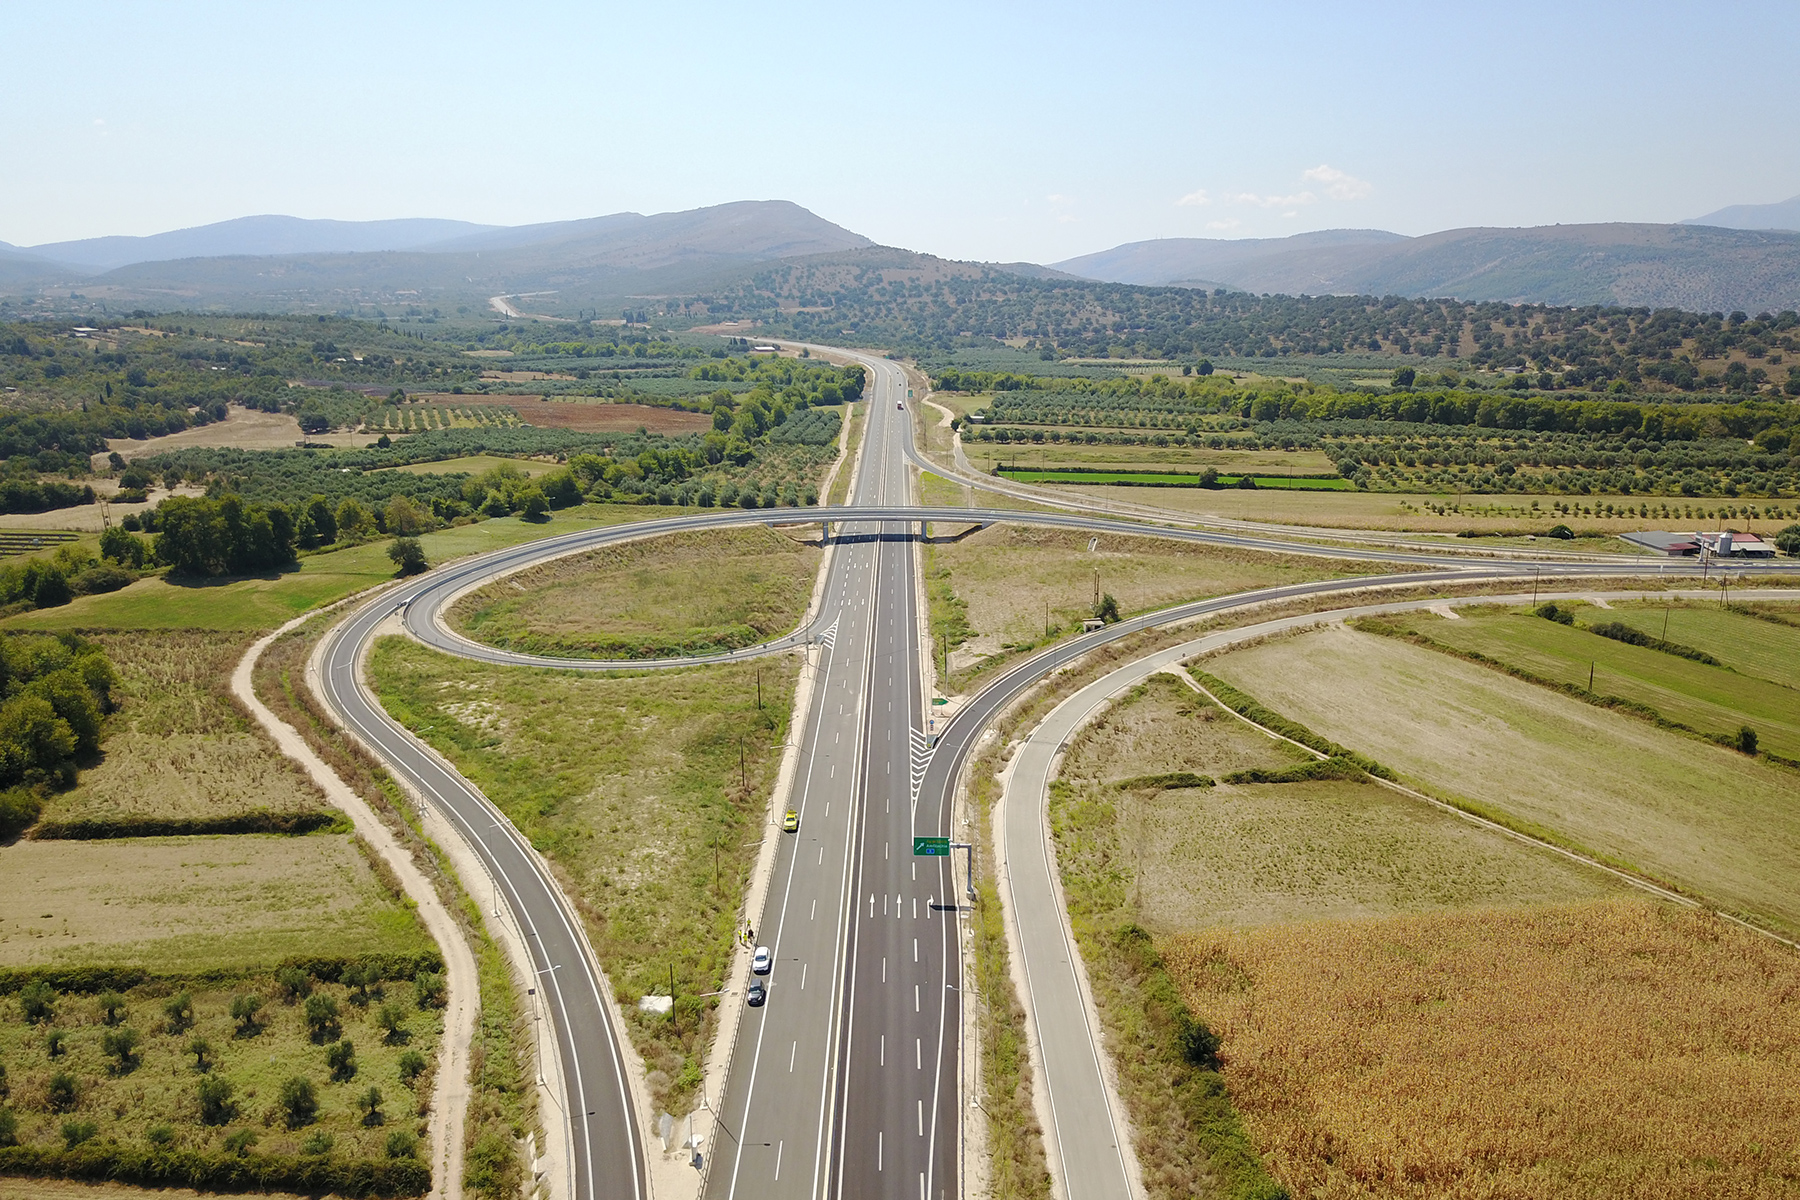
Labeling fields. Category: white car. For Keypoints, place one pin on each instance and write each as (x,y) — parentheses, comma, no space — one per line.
(760,962)
(900,404)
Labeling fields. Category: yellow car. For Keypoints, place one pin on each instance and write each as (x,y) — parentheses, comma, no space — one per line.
(791,822)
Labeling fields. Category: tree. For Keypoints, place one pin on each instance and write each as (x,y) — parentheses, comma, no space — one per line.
(295,983)
(201,1049)
(408,556)
(244,1010)
(179,1008)
(321,1015)
(412,1065)
(1788,541)
(354,523)
(1108,609)
(1403,377)
(392,1018)
(122,547)
(370,1103)
(428,989)
(341,1058)
(533,506)
(121,1045)
(299,1100)
(9,1127)
(1746,741)
(405,518)
(37,1002)
(216,1105)
(111,1006)
(62,1092)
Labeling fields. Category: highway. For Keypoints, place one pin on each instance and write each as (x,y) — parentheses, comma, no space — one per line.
(845,1083)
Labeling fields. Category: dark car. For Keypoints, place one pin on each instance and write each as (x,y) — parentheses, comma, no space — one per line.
(757,993)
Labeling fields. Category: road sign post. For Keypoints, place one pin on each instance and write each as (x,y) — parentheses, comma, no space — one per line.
(932,847)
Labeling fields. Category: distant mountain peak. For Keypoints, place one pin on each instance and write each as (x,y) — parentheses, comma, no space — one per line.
(1784,214)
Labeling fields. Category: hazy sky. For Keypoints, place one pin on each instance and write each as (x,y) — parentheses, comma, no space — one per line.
(1030,131)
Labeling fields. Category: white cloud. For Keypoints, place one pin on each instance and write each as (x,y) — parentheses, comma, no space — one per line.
(1339,185)
(1228,223)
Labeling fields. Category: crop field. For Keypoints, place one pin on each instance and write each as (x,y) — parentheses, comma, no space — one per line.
(1618,1048)
(1008,575)
(1149,458)
(1096,476)
(265,601)
(153,1096)
(476,464)
(647,792)
(1710,699)
(1685,811)
(689,593)
(582,414)
(179,756)
(180,905)
(411,417)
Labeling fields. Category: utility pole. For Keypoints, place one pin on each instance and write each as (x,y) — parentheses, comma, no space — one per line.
(1590,678)
(1536,574)
(1666,607)
(759,688)
(743,771)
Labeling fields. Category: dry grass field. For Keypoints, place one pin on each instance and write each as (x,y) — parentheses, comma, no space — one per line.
(179,755)
(1006,575)
(685,593)
(1049,455)
(1686,811)
(191,904)
(160,1085)
(1619,1049)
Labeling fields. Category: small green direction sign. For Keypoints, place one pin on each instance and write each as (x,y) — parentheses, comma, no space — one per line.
(932,847)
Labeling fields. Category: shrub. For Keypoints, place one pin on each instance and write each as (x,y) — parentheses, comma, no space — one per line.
(318,1142)
(37,1002)
(9,1127)
(1618,631)
(412,1065)
(299,1100)
(1746,741)
(1560,531)
(1108,609)
(160,1136)
(1788,541)
(53,1043)
(215,1095)
(402,1143)
(201,1049)
(239,1141)
(111,1006)
(76,1132)
(1550,612)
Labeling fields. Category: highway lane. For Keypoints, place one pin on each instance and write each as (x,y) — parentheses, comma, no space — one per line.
(604,1141)
(844,1083)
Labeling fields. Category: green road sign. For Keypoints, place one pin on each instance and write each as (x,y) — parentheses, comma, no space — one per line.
(932,847)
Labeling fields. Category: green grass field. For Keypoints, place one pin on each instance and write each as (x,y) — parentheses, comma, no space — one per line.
(1710,699)
(475,464)
(1748,645)
(631,785)
(1154,479)
(1707,819)
(264,602)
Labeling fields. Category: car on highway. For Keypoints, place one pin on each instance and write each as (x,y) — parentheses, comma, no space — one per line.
(900,404)
(757,993)
(791,822)
(761,961)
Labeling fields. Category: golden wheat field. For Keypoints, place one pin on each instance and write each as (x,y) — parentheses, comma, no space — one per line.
(1618,1048)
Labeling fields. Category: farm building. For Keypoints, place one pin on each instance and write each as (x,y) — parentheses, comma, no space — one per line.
(1728,543)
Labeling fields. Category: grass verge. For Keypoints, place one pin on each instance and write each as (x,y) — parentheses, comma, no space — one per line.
(647,792)
(683,594)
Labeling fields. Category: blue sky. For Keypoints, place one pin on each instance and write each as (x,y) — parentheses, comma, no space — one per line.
(992,131)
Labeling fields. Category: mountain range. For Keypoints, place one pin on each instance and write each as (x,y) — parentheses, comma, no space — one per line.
(1746,257)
